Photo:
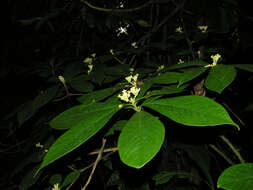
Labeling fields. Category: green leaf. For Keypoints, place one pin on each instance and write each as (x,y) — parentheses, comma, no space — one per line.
(220,77)
(140,139)
(237,177)
(163,177)
(199,63)
(25,112)
(192,110)
(91,122)
(44,97)
(56,178)
(246,67)
(28,180)
(190,74)
(118,126)
(81,84)
(199,154)
(173,89)
(70,178)
(167,78)
(98,95)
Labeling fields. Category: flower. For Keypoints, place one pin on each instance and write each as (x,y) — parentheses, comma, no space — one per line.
(134,44)
(203,28)
(179,29)
(161,67)
(56,187)
(88,60)
(61,78)
(135,91)
(215,59)
(132,79)
(125,95)
(180,61)
(90,66)
(38,145)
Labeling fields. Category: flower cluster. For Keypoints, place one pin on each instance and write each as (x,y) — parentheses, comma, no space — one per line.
(130,94)
(215,59)
(56,187)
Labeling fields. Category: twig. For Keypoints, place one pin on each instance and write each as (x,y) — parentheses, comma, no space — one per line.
(237,153)
(118,10)
(222,154)
(237,117)
(99,157)
(66,96)
(114,149)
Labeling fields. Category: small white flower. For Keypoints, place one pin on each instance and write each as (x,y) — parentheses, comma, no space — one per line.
(111,51)
(215,59)
(93,55)
(161,67)
(134,44)
(88,60)
(132,79)
(180,61)
(135,91)
(122,30)
(179,29)
(61,78)
(203,28)
(38,145)
(56,187)
(120,106)
(125,95)
(90,66)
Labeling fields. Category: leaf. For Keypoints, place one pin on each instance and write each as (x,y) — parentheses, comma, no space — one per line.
(199,154)
(140,139)
(25,112)
(220,77)
(199,63)
(81,84)
(173,89)
(190,74)
(98,95)
(192,110)
(91,122)
(28,180)
(118,126)
(246,67)
(70,178)
(237,177)
(163,177)
(45,97)
(56,178)
(167,78)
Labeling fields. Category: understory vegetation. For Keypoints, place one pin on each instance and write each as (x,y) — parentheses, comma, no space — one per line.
(129,95)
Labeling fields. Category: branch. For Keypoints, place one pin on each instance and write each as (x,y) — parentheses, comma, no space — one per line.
(99,157)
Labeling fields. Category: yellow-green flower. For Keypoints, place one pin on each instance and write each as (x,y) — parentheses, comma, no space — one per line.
(203,28)
(179,29)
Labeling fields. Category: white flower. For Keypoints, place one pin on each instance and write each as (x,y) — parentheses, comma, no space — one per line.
(161,67)
(56,187)
(120,106)
(90,66)
(179,29)
(134,44)
(203,28)
(125,95)
(180,61)
(61,78)
(122,30)
(135,91)
(88,60)
(132,79)
(215,59)
(38,145)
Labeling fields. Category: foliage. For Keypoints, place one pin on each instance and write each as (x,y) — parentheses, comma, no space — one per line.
(149,78)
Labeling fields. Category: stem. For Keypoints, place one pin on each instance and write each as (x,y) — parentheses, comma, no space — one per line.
(236,152)
(222,154)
